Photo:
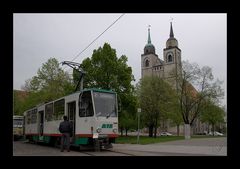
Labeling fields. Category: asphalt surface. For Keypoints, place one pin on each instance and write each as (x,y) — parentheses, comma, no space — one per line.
(193,147)
(23,148)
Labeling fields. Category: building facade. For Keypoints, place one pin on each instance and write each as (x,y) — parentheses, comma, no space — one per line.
(169,67)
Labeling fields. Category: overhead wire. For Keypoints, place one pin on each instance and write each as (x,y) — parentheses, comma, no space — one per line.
(96,38)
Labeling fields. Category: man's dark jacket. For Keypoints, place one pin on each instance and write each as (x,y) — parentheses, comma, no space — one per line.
(65,127)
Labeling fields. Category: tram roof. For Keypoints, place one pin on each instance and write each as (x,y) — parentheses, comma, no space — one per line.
(92,89)
(17,117)
(99,90)
(95,90)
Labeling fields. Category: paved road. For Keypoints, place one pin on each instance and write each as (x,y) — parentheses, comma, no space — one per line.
(192,147)
(21,148)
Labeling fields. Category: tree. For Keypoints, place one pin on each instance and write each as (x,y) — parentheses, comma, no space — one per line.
(106,71)
(128,121)
(50,78)
(212,114)
(50,83)
(194,86)
(156,97)
(127,118)
(18,100)
(175,115)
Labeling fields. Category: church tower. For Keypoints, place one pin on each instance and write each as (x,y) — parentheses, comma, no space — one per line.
(148,58)
(172,58)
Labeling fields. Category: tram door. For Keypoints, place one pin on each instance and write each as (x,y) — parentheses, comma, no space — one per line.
(41,121)
(71,107)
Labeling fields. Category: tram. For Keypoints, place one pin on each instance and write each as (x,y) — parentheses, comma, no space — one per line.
(92,112)
(17,127)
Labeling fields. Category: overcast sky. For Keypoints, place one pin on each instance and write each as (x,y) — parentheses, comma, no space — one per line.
(37,37)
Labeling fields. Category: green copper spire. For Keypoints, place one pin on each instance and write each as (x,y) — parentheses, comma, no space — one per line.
(171,31)
(149,38)
(149,48)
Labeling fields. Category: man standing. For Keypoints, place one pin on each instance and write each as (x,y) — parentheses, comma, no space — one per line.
(65,128)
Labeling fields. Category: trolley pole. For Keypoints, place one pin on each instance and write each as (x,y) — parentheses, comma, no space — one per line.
(139,111)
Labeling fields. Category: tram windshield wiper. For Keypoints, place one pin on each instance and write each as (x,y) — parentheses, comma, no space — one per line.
(109,114)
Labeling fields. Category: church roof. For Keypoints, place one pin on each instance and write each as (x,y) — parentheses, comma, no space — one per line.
(159,62)
(192,90)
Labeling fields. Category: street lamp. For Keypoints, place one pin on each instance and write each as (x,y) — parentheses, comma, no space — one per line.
(139,111)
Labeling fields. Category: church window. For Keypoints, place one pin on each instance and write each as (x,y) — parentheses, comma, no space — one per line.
(146,63)
(170,58)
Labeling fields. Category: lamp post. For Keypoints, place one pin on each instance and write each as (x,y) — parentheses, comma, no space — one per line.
(139,111)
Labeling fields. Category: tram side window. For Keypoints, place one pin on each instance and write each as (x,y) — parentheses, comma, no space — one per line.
(34,116)
(28,117)
(49,112)
(86,106)
(59,109)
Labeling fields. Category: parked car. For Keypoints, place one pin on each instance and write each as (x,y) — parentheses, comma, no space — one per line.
(202,133)
(205,132)
(165,134)
(215,133)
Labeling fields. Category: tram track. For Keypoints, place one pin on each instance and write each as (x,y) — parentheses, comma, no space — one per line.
(22,148)
(114,151)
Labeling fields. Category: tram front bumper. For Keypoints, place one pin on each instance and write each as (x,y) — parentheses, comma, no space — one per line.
(104,141)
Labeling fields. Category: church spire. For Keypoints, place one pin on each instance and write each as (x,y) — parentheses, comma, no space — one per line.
(171,31)
(149,47)
(149,38)
(171,42)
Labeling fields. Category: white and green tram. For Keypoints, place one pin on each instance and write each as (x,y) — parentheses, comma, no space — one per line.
(93,113)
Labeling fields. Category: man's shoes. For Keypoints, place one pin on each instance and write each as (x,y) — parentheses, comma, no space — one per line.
(61,150)
(68,151)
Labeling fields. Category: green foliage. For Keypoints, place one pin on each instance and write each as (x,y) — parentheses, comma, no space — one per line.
(174,112)
(50,83)
(128,121)
(157,99)
(17,104)
(50,78)
(212,114)
(105,70)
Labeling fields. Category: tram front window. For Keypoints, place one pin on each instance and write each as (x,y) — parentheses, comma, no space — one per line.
(17,123)
(105,104)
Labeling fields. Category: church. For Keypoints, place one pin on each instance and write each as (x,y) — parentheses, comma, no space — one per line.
(168,69)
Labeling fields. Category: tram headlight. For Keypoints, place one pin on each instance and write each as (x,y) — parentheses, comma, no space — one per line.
(115,130)
(99,130)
